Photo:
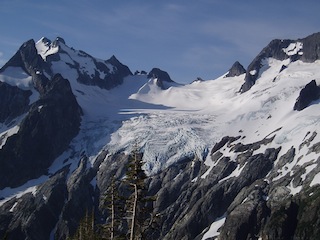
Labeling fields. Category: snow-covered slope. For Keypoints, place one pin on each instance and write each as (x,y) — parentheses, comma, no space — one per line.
(190,118)
(203,112)
(172,125)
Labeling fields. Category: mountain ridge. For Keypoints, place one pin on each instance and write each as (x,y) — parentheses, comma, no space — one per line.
(281,50)
(243,162)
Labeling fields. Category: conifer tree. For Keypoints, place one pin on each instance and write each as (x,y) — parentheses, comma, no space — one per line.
(138,205)
(115,204)
(86,229)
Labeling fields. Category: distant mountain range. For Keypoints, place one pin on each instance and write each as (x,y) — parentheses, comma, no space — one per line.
(237,157)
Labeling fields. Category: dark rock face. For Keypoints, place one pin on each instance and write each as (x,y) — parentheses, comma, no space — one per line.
(45,133)
(275,49)
(160,74)
(311,48)
(308,224)
(31,62)
(247,213)
(79,200)
(58,40)
(186,203)
(104,77)
(113,77)
(28,59)
(236,70)
(162,78)
(13,101)
(311,92)
(240,185)
(29,213)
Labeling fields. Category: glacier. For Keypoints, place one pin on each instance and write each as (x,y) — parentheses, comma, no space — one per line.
(179,123)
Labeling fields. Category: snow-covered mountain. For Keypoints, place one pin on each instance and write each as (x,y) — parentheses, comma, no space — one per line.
(238,154)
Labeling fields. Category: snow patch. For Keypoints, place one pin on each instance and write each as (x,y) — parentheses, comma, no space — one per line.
(294,190)
(214,228)
(29,187)
(45,48)
(315,180)
(235,173)
(253,72)
(293,49)
(6,134)
(16,76)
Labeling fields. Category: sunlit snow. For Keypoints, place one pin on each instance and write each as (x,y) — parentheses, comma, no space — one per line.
(193,117)
(316,180)
(293,48)
(214,228)
(184,121)
(45,49)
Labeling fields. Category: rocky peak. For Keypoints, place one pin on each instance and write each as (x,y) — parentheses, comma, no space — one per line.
(236,70)
(159,74)
(273,50)
(107,74)
(45,41)
(118,67)
(31,62)
(162,77)
(51,44)
(311,48)
(58,40)
(257,182)
(306,49)
(46,131)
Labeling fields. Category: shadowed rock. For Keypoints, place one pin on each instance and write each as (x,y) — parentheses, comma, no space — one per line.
(310,52)
(52,122)
(13,101)
(310,93)
(236,70)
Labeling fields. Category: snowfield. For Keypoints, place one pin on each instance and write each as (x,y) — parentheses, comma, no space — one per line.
(191,118)
(203,112)
(184,121)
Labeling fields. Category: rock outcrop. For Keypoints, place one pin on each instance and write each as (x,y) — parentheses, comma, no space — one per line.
(163,78)
(247,186)
(236,70)
(108,74)
(310,93)
(23,218)
(30,61)
(13,102)
(306,49)
(46,131)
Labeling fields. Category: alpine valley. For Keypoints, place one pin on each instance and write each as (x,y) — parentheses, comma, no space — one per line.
(237,157)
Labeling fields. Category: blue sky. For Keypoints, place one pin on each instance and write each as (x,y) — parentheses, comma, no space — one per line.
(186,38)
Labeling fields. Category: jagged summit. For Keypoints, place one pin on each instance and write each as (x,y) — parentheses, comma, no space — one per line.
(45,58)
(236,70)
(310,93)
(46,48)
(219,163)
(162,78)
(305,49)
(159,74)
